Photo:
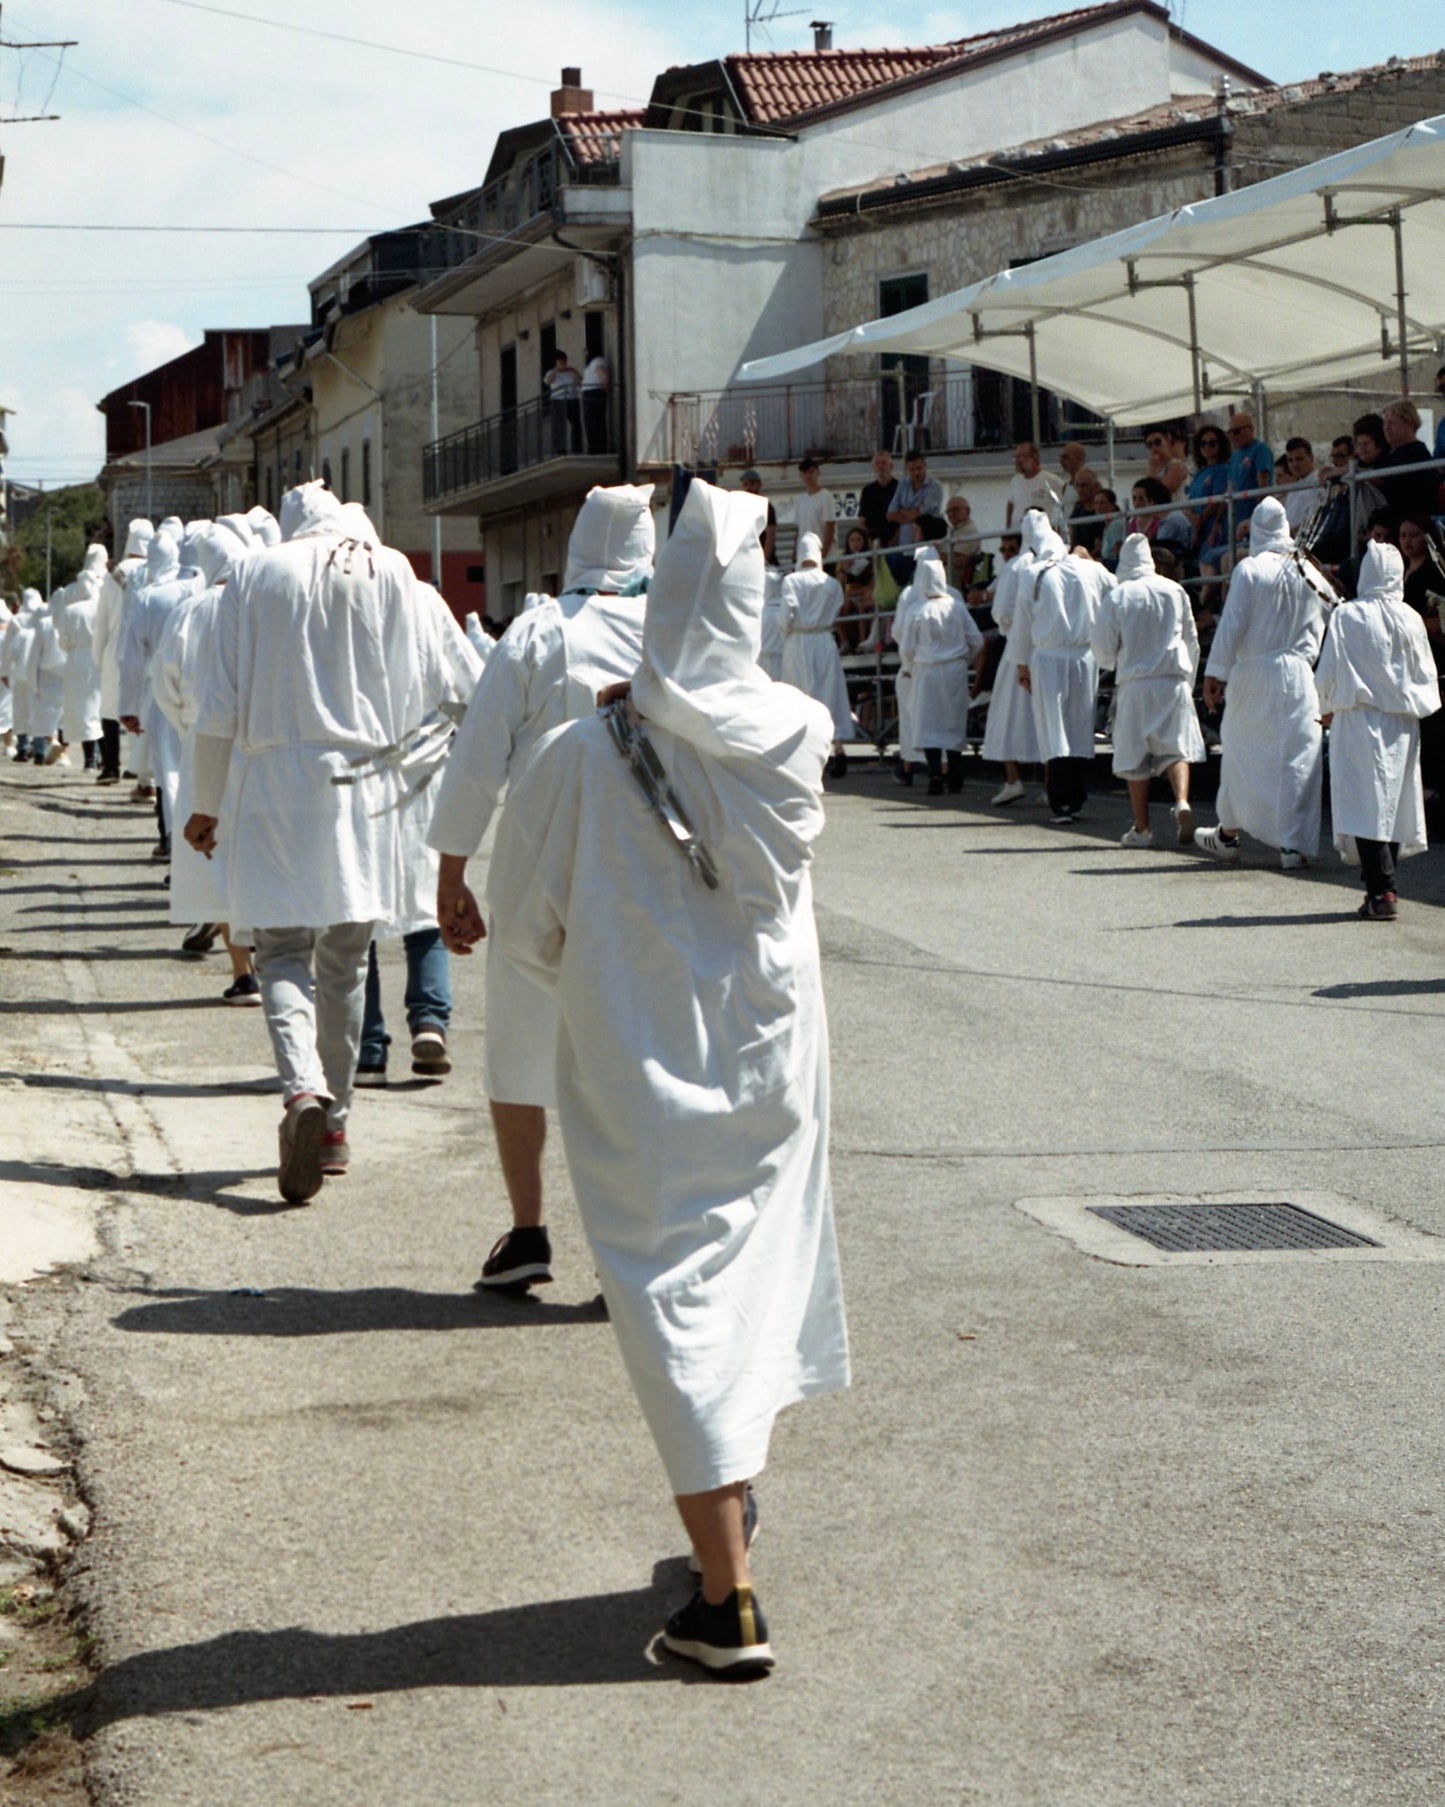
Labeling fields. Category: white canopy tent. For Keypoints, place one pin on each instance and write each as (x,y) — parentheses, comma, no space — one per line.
(1300,282)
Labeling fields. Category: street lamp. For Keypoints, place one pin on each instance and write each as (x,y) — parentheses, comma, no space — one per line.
(150,515)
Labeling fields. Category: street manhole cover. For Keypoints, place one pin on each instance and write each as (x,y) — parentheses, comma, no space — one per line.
(1197,1228)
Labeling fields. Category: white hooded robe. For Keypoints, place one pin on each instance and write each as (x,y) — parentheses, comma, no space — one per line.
(545,670)
(1144,633)
(322,657)
(1264,649)
(1377,677)
(692,1064)
(74,629)
(939,643)
(198,884)
(1053,631)
(1009,734)
(809,604)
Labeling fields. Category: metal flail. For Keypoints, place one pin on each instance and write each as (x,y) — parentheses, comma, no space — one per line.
(647,769)
(416,757)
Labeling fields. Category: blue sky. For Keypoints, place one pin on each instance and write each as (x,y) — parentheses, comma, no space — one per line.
(266,127)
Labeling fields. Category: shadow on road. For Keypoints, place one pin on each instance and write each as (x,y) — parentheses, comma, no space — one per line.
(596,1638)
(1303,919)
(146,1088)
(106,1007)
(291,1311)
(1384,988)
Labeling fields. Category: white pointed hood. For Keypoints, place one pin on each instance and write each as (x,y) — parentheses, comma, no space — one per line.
(222,547)
(163,559)
(31,602)
(138,536)
(1039,537)
(264,526)
(357,524)
(930,580)
(174,526)
(613,541)
(1136,558)
(1382,575)
(190,559)
(810,551)
(309,509)
(1269,528)
(700,676)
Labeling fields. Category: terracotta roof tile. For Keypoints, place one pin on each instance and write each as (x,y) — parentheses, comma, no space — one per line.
(776,86)
(1179,111)
(597,137)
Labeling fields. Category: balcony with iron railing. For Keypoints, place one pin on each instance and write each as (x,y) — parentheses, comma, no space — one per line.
(531,190)
(522,454)
(850,418)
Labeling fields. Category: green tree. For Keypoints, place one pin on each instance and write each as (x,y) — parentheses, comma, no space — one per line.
(76,517)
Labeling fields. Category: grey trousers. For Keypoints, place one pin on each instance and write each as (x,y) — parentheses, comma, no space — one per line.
(313,988)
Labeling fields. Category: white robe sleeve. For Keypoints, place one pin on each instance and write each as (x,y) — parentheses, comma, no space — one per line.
(1231,627)
(107,611)
(972,638)
(1327,672)
(218,703)
(1189,633)
(531,877)
(1021,636)
(481,756)
(166,672)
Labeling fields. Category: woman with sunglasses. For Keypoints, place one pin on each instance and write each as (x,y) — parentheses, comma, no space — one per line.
(1210,479)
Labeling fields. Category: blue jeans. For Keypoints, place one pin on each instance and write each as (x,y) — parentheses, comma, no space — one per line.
(428,993)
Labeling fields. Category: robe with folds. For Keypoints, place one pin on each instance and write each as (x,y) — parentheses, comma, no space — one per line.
(162,586)
(1377,678)
(419,859)
(44,672)
(1009,734)
(322,657)
(809,604)
(909,597)
(939,642)
(1264,649)
(15,661)
(110,616)
(74,629)
(1053,632)
(770,645)
(544,671)
(7,701)
(692,1064)
(198,885)
(1144,633)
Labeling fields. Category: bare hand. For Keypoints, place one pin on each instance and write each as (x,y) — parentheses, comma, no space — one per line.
(1025,679)
(458,915)
(1325,720)
(131,724)
(614,693)
(200,833)
(1213,693)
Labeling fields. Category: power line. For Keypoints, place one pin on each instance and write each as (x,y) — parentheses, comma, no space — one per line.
(284,231)
(338,37)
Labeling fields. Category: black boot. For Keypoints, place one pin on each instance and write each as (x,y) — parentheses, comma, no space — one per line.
(955,771)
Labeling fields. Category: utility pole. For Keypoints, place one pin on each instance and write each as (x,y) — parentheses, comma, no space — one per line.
(45,503)
(60,44)
(150,516)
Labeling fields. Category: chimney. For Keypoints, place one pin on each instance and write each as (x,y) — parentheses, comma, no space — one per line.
(822,30)
(571,97)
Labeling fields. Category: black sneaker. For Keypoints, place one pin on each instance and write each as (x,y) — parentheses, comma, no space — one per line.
(521,1258)
(370,1073)
(243,990)
(730,1639)
(1384,908)
(750,1530)
(202,938)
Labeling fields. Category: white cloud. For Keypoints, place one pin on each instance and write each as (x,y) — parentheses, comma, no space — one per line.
(153,342)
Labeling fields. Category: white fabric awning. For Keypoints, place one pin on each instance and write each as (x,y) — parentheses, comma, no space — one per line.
(1289,291)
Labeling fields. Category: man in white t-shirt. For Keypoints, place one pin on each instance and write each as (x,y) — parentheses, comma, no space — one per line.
(564,382)
(815,510)
(1029,487)
(594,403)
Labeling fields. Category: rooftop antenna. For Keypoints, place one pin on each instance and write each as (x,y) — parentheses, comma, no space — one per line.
(60,44)
(759,15)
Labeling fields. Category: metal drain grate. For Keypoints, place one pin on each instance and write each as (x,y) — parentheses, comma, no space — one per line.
(1201,1228)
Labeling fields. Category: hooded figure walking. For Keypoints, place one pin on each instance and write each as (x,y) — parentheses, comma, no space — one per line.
(1272,768)
(692,1064)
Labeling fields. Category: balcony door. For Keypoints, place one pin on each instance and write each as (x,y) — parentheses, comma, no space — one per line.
(507,413)
(904,378)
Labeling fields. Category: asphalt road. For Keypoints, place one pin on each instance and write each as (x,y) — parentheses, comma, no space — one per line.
(1083,1534)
